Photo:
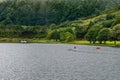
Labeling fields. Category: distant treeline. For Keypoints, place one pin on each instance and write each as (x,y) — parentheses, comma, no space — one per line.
(45,12)
(13,31)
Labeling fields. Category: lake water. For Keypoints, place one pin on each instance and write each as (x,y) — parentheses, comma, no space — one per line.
(58,62)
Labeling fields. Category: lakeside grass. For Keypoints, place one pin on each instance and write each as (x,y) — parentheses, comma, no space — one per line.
(29,40)
(36,40)
(84,42)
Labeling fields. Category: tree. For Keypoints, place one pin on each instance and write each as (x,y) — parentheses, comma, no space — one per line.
(90,36)
(90,7)
(46,12)
(113,3)
(54,35)
(52,26)
(90,25)
(66,36)
(10,31)
(108,23)
(93,33)
(117,21)
(69,37)
(35,32)
(116,33)
(109,16)
(103,35)
(80,32)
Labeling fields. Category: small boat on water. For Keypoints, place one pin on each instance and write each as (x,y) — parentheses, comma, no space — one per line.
(23,41)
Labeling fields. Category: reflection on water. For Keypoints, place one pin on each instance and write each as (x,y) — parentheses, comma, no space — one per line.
(58,62)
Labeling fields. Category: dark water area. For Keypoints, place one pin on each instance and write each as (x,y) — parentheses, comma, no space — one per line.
(58,62)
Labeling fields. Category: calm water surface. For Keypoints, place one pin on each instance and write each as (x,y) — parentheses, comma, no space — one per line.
(58,62)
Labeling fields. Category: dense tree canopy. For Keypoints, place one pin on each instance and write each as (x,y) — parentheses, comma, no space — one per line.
(44,12)
(103,35)
(116,32)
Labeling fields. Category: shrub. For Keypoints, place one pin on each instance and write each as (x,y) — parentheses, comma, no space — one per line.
(69,37)
(52,26)
(110,16)
(54,35)
(117,21)
(93,33)
(107,23)
(116,31)
(66,36)
(80,32)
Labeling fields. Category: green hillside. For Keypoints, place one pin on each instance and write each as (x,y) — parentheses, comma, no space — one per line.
(46,12)
(102,28)
(98,19)
(66,23)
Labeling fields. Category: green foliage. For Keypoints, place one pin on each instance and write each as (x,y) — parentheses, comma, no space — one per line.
(58,14)
(89,35)
(54,35)
(62,36)
(93,33)
(65,24)
(116,31)
(97,20)
(69,37)
(117,20)
(35,32)
(46,12)
(80,32)
(52,26)
(66,36)
(68,29)
(110,16)
(91,6)
(118,7)
(103,35)
(90,24)
(108,23)
(10,31)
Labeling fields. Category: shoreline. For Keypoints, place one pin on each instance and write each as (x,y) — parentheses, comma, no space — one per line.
(76,42)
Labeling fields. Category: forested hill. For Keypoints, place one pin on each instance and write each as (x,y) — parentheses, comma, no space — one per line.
(45,12)
(61,20)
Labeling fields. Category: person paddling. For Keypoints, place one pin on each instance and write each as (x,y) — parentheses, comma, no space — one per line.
(74,47)
(98,48)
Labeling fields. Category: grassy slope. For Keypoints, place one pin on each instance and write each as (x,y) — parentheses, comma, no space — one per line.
(87,21)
